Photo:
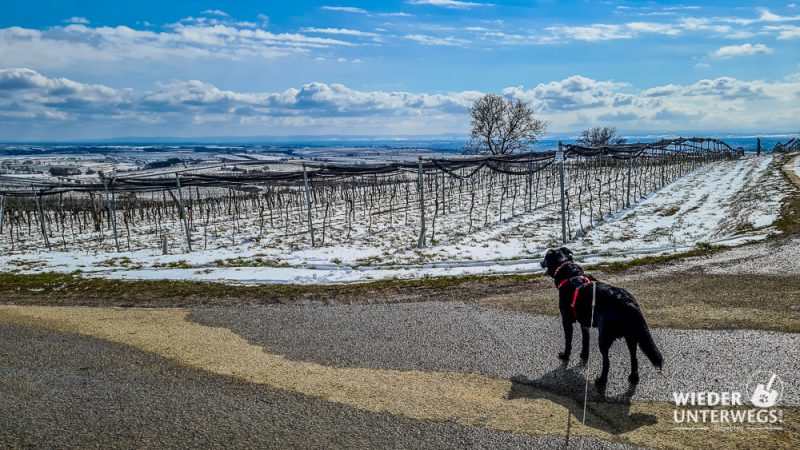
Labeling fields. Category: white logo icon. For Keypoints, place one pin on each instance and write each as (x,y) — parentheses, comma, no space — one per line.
(766,396)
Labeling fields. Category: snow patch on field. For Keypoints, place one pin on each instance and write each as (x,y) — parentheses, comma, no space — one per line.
(726,203)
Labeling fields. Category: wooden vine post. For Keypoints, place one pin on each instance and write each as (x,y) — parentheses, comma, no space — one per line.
(183,212)
(308,205)
(2,211)
(628,190)
(421,240)
(112,210)
(560,158)
(41,218)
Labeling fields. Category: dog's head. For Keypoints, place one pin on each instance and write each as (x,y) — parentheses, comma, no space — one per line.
(554,258)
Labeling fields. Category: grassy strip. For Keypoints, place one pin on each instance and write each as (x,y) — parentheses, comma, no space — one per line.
(703,249)
(73,288)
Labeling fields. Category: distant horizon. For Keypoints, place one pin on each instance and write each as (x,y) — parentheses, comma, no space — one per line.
(337,138)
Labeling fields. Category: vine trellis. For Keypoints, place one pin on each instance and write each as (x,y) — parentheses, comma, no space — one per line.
(289,205)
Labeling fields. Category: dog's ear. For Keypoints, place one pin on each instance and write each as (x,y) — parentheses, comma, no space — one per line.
(567,253)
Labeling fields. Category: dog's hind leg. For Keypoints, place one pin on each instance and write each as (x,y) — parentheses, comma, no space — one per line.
(633,378)
(584,343)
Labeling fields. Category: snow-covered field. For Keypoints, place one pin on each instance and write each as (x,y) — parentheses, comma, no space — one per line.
(725,203)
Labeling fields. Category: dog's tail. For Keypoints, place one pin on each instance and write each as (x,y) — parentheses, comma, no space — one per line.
(643,336)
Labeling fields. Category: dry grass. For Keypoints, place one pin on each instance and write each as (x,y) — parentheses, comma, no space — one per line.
(789,220)
(468,399)
(698,301)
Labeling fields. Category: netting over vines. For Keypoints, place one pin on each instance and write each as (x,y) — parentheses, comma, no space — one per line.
(289,205)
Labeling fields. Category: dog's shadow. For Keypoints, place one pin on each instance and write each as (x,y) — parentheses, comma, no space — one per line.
(565,386)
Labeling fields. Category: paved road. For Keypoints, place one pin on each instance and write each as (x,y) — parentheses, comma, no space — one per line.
(65,390)
(60,390)
(452,336)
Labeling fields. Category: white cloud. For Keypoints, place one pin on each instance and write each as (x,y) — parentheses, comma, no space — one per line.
(653,27)
(452,4)
(341,31)
(395,14)
(591,33)
(215,12)
(347,9)
(765,16)
(572,93)
(77,19)
(785,31)
(742,50)
(433,40)
(78,44)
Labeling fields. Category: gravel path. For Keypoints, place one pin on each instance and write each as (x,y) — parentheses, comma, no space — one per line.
(59,390)
(442,336)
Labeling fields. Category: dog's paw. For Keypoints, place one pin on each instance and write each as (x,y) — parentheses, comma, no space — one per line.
(600,383)
(563,356)
(633,378)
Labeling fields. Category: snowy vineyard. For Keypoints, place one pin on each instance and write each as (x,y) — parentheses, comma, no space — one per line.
(286,205)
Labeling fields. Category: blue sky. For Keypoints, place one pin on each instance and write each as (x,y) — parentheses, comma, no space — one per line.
(74,70)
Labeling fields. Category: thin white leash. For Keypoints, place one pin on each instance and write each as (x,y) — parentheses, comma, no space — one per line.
(591,323)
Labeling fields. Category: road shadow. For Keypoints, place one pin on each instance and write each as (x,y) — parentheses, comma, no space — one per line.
(565,386)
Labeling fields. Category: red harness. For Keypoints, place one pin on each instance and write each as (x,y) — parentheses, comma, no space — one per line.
(584,282)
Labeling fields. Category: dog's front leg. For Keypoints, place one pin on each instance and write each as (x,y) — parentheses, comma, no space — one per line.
(584,343)
(604,342)
(567,323)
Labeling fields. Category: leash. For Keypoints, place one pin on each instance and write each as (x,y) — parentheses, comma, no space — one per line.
(591,323)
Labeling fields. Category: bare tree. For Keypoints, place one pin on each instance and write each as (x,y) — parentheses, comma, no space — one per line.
(501,126)
(600,136)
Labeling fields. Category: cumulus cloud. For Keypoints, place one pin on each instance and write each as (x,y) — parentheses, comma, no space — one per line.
(742,50)
(570,94)
(32,100)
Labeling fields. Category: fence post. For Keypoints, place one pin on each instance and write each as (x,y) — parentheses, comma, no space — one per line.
(421,240)
(560,155)
(112,210)
(183,212)
(41,218)
(308,205)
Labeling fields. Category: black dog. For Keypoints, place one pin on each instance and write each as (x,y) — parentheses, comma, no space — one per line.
(616,314)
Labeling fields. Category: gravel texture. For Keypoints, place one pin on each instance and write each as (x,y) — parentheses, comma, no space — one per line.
(437,336)
(66,391)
